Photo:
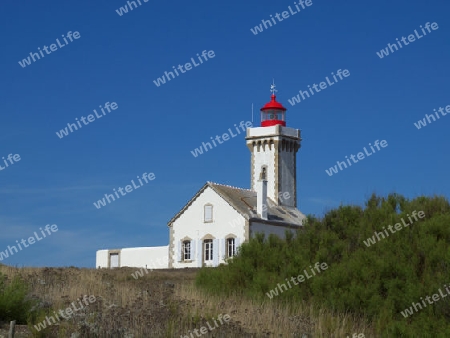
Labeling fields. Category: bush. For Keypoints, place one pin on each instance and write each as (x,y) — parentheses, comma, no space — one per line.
(14,304)
(379,281)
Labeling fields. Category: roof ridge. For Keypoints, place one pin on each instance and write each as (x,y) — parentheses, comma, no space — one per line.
(229,186)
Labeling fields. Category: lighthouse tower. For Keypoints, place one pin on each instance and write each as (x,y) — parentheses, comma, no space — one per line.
(273,148)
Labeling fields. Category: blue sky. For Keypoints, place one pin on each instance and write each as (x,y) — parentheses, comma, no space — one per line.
(154,129)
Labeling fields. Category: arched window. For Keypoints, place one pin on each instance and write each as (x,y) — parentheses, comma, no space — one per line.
(208,213)
(186,253)
(208,250)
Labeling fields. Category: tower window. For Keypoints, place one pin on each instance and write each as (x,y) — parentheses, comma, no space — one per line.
(263,174)
(208,213)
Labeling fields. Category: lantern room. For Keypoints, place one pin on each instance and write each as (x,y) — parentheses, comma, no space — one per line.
(273,112)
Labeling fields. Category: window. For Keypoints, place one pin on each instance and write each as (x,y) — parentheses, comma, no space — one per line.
(186,250)
(208,213)
(208,248)
(231,247)
(263,174)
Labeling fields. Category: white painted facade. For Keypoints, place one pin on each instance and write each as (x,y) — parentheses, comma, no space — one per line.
(145,257)
(101,260)
(267,229)
(191,226)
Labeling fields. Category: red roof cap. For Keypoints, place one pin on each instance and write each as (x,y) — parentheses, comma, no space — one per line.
(273,104)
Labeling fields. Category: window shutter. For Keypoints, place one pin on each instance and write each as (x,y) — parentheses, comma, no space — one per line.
(237,243)
(223,249)
(215,252)
(179,251)
(199,253)
(192,255)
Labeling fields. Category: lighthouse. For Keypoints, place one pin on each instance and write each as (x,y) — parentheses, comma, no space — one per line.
(209,229)
(273,161)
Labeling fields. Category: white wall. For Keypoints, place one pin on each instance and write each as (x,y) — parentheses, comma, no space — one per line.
(146,257)
(272,130)
(264,157)
(267,229)
(287,168)
(191,224)
(101,260)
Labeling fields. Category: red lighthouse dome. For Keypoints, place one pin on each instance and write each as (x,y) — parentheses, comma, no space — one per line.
(273,112)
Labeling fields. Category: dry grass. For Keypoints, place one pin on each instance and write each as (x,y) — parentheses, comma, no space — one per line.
(124,306)
(115,286)
(273,319)
(165,303)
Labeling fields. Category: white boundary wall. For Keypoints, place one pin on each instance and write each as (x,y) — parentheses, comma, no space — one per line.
(146,257)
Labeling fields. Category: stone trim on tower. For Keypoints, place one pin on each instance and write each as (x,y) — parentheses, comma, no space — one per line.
(277,171)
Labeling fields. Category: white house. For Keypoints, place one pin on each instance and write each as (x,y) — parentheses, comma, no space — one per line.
(219,218)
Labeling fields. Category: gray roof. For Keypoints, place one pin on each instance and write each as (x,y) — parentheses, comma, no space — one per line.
(244,201)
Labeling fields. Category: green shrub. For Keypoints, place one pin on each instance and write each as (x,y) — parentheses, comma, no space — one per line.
(14,304)
(378,281)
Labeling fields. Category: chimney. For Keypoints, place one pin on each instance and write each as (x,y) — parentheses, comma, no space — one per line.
(261,198)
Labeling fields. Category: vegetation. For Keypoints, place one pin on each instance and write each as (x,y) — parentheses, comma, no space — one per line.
(162,303)
(14,304)
(376,282)
(124,306)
